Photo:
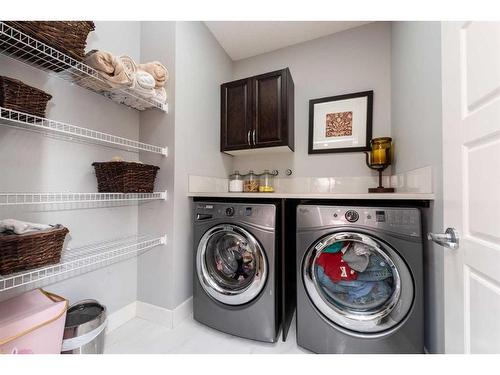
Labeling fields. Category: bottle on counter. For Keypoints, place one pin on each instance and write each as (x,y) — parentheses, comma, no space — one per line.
(251,184)
(236,182)
(266,182)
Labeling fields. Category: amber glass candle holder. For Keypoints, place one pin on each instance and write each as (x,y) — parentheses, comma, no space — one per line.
(379,158)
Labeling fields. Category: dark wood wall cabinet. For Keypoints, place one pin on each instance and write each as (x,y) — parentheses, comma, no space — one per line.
(257,113)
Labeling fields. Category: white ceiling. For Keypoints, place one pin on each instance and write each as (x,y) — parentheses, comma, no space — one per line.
(242,39)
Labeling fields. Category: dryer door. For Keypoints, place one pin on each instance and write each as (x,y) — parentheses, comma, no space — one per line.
(358,283)
(231,264)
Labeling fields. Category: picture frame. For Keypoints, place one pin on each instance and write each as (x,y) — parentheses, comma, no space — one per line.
(341,123)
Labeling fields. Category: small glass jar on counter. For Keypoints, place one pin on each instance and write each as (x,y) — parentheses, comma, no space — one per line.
(236,182)
(251,183)
(266,182)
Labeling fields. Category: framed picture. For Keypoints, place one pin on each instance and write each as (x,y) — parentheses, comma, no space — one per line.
(341,123)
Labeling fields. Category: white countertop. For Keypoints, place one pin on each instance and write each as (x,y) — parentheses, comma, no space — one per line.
(387,196)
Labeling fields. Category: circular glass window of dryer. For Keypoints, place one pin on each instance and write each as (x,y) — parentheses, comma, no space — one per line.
(231,265)
(357,282)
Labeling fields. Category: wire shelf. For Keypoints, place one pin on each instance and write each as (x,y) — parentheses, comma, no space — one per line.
(13,199)
(21,47)
(31,122)
(83,259)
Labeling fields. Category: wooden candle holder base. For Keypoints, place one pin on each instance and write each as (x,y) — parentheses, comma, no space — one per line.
(381,190)
(379,168)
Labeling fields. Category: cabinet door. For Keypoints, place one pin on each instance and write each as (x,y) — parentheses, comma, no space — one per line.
(236,118)
(270,109)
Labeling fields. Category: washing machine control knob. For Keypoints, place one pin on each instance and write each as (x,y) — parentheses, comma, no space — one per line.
(351,216)
(229,211)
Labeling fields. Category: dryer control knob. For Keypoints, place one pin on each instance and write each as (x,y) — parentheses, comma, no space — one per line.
(229,211)
(351,216)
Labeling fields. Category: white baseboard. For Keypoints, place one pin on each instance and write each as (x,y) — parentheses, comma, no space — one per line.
(183,311)
(121,316)
(155,314)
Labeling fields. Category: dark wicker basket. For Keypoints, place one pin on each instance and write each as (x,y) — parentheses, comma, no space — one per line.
(69,37)
(18,96)
(19,252)
(125,177)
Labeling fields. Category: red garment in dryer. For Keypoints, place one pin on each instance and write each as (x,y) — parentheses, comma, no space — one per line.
(335,267)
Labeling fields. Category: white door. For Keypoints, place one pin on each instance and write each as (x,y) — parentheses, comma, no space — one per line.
(471,164)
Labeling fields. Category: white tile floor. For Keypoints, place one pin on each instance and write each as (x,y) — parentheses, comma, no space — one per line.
(140,336)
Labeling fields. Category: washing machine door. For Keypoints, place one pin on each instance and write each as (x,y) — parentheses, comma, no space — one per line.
(231,265)
(358,283)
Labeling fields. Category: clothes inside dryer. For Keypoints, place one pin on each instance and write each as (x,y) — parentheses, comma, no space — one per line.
(230,259)
(355,277)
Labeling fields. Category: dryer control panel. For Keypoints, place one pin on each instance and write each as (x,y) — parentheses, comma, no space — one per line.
(405,221)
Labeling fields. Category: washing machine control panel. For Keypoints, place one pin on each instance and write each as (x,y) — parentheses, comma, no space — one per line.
(261,214)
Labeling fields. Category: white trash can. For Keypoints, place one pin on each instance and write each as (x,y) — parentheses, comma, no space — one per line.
(84,330)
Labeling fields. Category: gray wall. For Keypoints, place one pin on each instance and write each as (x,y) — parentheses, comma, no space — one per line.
(155,266)
(191,132)
(417,134)
(201,66)
(31,162)
(346,62)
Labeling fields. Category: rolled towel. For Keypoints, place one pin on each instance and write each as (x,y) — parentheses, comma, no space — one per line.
(143,84)
(142,87)
(100,60)
(144,80)
(157,70)
(21,227)
(129,64)
(110,68)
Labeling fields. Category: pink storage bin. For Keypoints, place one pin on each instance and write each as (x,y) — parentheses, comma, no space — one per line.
(32,323)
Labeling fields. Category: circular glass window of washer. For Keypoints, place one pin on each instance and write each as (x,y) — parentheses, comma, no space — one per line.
(231,261)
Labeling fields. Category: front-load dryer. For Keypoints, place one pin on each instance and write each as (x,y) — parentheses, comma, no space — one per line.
(359,279)
(234,286)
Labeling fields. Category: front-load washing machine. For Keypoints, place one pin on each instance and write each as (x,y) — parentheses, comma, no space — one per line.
(359,279)
(234,286)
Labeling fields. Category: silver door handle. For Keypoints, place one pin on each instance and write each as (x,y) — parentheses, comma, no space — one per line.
(253,136)
(248,138)
(449,239)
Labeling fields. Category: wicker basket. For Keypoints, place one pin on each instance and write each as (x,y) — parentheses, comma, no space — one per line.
(19,252)
(18,96)
(69,37)
(125,177)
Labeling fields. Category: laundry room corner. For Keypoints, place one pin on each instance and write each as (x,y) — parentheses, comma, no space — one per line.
(191,53)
